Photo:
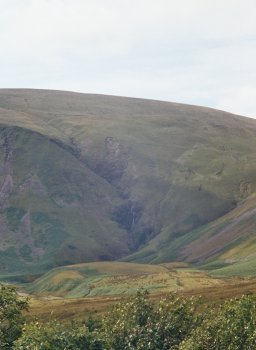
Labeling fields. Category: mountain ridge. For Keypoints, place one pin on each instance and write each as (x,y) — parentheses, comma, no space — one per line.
(165,170)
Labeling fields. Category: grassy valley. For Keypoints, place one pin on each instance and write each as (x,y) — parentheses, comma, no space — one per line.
(90,290)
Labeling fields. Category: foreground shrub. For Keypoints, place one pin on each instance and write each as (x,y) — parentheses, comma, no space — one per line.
(57,336)
(174,323)
(11,319)
(137,325)
(231,327)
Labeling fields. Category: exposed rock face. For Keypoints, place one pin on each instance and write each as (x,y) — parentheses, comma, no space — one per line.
(6,189)
(112,146)
(24,231)
(4,232)
(24,237)
(34,184)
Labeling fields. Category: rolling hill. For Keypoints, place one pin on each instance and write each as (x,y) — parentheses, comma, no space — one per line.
(92,177)
(117,278)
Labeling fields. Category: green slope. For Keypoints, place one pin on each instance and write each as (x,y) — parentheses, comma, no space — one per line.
(224,247)
(121,175)
(115,278)
(54,210)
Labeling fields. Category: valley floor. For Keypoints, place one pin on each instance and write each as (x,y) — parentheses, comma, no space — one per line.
(46,308)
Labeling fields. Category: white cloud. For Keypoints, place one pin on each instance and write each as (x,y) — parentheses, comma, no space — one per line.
(199,51)
(239,101)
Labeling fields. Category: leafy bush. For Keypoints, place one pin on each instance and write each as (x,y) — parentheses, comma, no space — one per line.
(56,336)
(11,319)
(173,323)
(137,325)
(231,327)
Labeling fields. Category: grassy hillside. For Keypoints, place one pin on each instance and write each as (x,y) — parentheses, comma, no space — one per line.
(221,243)
(93,177)
(48,200)
(117,278)
(44,308)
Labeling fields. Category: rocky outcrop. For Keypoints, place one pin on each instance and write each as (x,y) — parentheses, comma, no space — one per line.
(5,191)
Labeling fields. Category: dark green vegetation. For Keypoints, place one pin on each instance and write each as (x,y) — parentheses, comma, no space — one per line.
(92,177)
(11,318)
(174,322)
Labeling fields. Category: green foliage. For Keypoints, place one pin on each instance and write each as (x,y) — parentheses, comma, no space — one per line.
(231,327)
(56,336)
(173,323)
(11,319)
(137,325)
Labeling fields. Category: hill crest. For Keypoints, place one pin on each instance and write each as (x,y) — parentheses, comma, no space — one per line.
(117,175)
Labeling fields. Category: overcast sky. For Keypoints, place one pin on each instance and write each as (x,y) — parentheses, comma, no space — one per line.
(193,51)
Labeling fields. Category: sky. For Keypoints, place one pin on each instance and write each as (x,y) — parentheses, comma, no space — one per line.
(200,52)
